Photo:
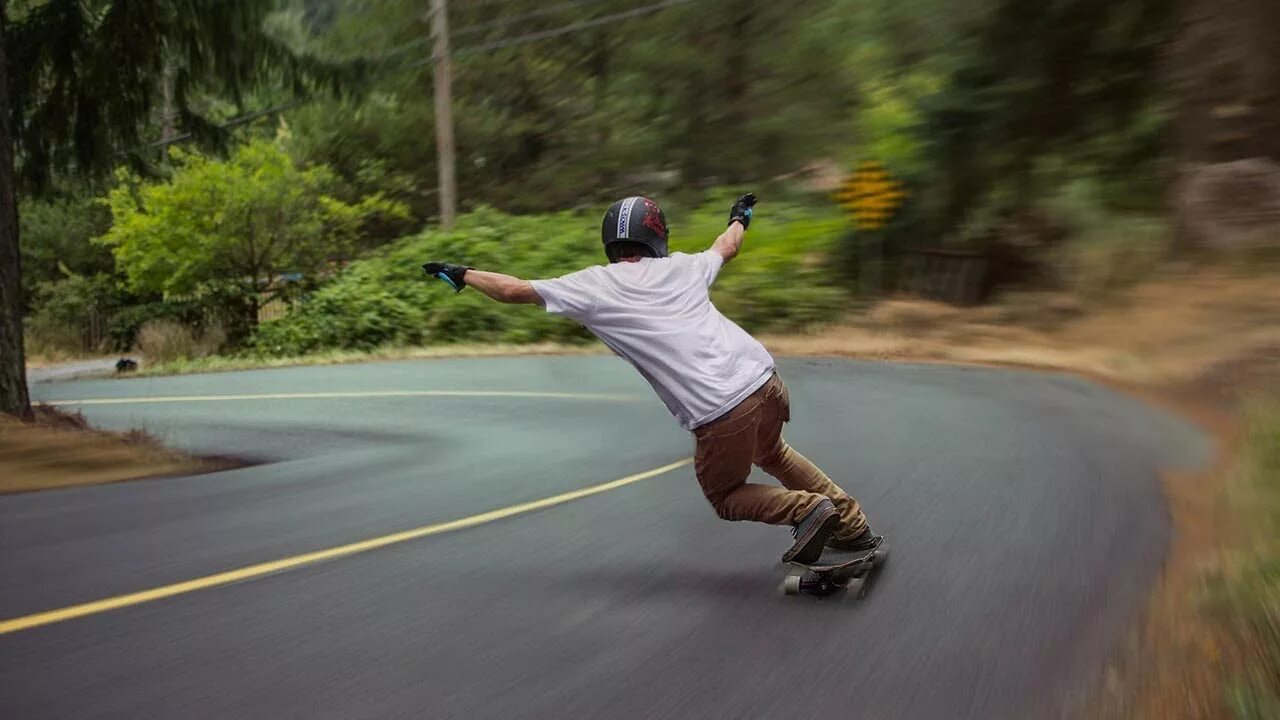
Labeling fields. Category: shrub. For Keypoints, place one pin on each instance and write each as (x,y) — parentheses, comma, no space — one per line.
(167,340)
(63,322)
(223,229)
(778,281)
(127,322)
(1106,250)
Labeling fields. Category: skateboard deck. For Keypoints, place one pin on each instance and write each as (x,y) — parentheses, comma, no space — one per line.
(836,571)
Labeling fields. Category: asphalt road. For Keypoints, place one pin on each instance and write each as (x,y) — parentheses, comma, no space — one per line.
(72,370)
(1023,511)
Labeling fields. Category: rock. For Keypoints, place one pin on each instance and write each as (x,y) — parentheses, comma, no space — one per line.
(1231,205)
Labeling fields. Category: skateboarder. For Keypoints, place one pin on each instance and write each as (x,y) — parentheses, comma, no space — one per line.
(652,308)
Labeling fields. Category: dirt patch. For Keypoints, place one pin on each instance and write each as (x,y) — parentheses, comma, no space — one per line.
(1170,331)
(59,449)
(1170,664)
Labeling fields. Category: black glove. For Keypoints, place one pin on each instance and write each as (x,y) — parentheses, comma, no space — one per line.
(451,274)
(741,210)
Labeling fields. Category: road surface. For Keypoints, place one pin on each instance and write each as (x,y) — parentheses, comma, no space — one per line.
(1023,510)
(71,370)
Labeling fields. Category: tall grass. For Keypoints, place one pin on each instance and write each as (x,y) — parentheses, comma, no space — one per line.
(164,341)
(1250,595)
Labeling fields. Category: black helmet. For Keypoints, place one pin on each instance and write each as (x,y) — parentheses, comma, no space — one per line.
(634,224)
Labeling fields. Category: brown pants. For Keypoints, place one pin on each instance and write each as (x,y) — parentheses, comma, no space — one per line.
(752,433)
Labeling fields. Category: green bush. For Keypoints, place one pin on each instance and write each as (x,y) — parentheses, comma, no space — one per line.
(60,324)
(779,281)
(223,229)
(128,321)
(1106,249)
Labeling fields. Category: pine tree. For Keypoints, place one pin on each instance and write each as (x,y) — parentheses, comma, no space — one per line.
(78,83)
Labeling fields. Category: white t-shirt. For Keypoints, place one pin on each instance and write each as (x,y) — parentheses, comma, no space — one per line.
(657,315)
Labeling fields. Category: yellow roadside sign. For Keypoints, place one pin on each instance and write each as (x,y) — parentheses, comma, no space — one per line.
(871,195)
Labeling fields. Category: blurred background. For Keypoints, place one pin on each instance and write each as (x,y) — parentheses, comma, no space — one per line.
(1090,185)
(264,177)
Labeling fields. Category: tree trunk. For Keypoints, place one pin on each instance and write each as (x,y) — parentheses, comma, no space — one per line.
(14,399)
(1225,73)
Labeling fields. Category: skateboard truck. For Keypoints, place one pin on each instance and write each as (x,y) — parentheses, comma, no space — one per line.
(834,573)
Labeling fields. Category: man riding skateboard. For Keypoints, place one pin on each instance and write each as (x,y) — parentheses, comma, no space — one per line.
(653,309)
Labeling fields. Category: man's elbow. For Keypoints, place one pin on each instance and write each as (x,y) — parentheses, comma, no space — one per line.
(728,251)
(518,293)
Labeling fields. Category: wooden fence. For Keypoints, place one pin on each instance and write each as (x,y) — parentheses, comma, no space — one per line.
(276,308)
(955,276)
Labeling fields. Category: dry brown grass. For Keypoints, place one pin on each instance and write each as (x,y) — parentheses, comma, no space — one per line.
(168,340)
(1172,662)
(1167,331)
(59,449)
(1180,661)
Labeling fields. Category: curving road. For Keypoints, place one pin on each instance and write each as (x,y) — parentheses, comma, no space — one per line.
(1023,510)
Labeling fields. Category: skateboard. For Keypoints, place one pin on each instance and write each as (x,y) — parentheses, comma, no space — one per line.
(837,571)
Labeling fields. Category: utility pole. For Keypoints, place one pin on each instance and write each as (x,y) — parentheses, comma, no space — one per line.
(443,94)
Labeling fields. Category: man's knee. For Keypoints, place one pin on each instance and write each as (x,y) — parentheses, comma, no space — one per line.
(722,507)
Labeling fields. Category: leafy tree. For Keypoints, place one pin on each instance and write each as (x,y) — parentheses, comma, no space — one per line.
(78,85)
(56,239)
(1038,78)
(238,224)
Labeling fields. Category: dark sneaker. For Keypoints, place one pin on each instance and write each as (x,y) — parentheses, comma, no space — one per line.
(865,540)
(812,532)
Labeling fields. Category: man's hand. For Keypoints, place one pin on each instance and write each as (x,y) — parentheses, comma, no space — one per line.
(451,274)
(741,210)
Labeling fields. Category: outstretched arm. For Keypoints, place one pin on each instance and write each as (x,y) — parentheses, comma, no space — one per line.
(503,288)
(730,241)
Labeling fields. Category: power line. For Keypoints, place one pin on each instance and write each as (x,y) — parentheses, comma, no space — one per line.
(234,122)
(555,32)
(532,37)
(465,50)
(513,19)
(482,3)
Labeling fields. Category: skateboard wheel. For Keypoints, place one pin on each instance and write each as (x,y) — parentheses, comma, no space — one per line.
(791,585)
(855,589)
(880,556)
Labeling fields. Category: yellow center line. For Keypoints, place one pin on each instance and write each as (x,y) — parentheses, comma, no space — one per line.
(253,571)
(362,394)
